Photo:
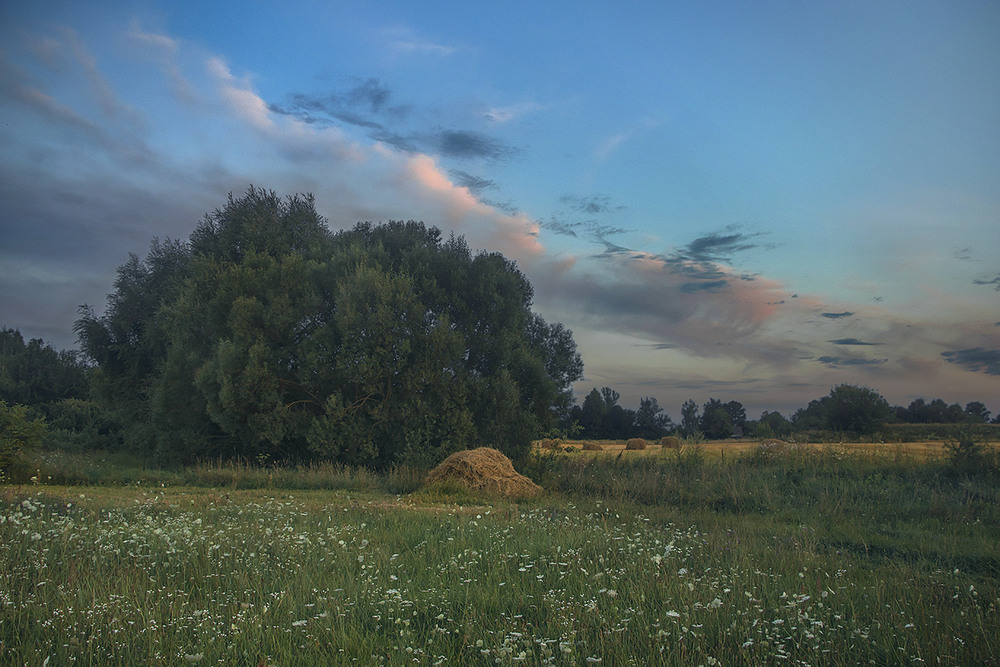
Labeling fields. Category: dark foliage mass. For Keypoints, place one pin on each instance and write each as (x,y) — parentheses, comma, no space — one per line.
(266,336)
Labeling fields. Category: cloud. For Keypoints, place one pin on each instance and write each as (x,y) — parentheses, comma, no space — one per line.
(510,113)
(403,41)
(592,205)
(475,184)
(838,316)
(716,247)
(837,362)
(994,281)
(366,105)
(851,341)
(468,144)
(976,359)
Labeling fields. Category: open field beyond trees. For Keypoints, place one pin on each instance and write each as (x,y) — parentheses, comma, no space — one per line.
(825,555)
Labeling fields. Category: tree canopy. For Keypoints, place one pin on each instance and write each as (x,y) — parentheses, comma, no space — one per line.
(267,336)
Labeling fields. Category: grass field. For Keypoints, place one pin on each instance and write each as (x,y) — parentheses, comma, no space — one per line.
(821,556)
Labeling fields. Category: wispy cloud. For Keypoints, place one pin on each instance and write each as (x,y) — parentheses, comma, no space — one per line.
(403,41)
(852,341)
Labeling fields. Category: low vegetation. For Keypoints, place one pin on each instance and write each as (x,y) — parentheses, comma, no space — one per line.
(810,555)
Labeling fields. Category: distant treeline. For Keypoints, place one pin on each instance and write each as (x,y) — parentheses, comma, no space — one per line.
(847,409)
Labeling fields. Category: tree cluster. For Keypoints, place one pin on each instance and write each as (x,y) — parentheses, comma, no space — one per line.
(266,336)
(601,417)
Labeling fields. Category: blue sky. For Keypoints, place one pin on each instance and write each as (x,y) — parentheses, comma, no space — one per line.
(746,201)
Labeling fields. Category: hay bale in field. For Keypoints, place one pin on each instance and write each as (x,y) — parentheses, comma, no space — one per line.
(592,447)
(484,469)
(635,443)
(670,442)
(549,443)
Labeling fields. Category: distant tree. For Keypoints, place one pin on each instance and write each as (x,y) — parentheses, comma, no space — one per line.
(856,409)
(977,412)
(592,415)
(690,420)
(716,422)
(814,416)
(737,414)
(935,412)
(771,425)
(651,421)
(35,374)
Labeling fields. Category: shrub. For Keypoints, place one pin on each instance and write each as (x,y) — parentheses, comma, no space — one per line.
(17,431)
(635,443)
(670,442)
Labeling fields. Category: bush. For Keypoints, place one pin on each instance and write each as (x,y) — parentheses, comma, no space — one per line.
(967,452)
(635,443)
(670,442)
(17,432)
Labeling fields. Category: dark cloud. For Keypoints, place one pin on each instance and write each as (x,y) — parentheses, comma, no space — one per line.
(361,105)
(366,105)
(837,316)
(852,341)
(592,205)
(977,359)
(557,226)
(995,281)
(716,247)
(475,184)
(836,362)
(467,144)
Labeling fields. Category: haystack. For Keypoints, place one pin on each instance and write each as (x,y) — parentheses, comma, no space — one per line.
(592,447)
(484,469)
(635,443)
(670,442)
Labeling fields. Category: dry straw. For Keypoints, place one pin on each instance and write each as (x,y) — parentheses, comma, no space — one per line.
(484,469)
(635,443)
(592,447)
(670,442)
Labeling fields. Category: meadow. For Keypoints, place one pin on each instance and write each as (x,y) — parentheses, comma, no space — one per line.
(804,556)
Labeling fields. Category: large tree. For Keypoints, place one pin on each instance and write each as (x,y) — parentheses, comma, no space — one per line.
(266,335)
(856,409)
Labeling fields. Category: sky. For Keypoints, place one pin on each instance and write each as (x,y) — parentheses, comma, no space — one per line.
(752,201)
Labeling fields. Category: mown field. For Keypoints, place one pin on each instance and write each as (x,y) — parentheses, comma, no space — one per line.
(806,556)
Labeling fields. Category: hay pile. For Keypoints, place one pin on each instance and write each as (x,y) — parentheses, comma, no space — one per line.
(484,469)
(670,442)
(592,447)
(635,444)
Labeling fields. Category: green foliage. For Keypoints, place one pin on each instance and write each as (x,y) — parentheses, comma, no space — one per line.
(847,408)
(716,420)
(690,421)
(267,336)
(18,431)
(968,453)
